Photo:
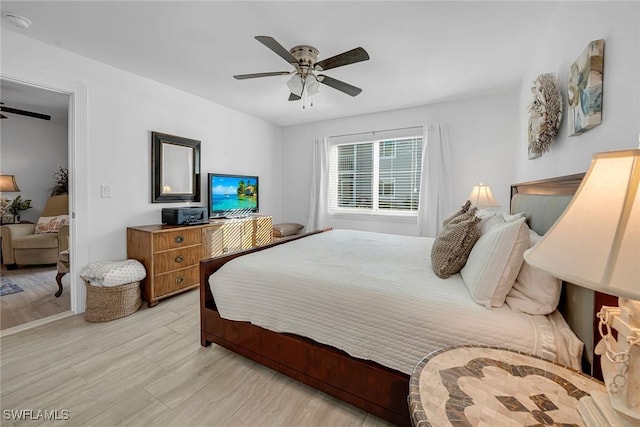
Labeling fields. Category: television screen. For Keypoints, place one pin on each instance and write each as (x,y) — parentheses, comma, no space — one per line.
(232,195)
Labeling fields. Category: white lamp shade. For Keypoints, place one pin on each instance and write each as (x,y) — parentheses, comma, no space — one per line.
(8,184)
(482,197)
(596,242)
(295,84)
(311,85)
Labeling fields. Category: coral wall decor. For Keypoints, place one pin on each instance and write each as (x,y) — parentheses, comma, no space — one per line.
(545,114)
(585,89)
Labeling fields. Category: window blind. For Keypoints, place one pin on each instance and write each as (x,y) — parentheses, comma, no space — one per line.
(375,176)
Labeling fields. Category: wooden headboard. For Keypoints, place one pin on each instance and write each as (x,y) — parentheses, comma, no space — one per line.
(543,202)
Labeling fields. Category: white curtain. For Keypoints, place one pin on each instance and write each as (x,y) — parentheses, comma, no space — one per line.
(436,186)
(319,192)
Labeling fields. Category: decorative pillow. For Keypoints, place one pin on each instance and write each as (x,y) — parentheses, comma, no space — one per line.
(535,291)
(494,262)
(286,229)
(452,246)
(464,209)
(51,224)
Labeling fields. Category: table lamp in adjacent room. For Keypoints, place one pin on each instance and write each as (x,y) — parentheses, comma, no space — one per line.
(8,184)
(596,244)
(482,197)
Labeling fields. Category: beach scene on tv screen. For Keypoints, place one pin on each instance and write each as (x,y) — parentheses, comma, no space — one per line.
(228,193)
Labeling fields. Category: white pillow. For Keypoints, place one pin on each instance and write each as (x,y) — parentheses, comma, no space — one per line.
(535,290)
(488,221)
(51,224)
(512,217)
(494,262)
(490,217)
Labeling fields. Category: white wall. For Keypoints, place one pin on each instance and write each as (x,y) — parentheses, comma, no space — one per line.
(489,134)
(483,135)
(123,109)
(571,27)
(32,150)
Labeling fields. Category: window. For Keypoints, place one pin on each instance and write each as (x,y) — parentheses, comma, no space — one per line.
(379,177)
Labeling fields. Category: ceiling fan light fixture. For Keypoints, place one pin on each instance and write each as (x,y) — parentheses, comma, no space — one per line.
(295,85)
(304,83)
(311,85)
(17,20)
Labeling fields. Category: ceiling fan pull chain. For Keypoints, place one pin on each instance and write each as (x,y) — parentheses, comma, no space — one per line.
(304,95)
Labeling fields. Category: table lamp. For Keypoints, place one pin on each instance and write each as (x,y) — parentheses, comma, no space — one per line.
(8,184)
(482,197)
(596,244)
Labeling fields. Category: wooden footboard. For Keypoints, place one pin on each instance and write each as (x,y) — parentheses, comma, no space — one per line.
(364,384)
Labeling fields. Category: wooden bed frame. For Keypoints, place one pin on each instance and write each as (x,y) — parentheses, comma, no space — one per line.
(367,385)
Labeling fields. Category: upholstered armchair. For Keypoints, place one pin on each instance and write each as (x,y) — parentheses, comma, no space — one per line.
(22,245)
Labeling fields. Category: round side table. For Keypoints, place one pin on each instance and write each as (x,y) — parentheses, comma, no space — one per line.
(485,386)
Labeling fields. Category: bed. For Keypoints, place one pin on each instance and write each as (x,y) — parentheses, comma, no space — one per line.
(368,368)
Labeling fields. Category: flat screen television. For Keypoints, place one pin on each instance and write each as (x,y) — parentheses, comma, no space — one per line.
(232,196)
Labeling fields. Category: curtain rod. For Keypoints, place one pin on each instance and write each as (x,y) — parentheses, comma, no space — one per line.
(374,131)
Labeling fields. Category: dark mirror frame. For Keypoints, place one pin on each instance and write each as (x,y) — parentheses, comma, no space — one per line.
(157,195)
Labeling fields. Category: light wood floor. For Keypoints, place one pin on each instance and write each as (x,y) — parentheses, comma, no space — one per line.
(38,300)
(149,369)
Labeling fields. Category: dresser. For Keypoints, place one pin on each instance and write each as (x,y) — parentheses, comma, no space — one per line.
(172,254)
(234,235)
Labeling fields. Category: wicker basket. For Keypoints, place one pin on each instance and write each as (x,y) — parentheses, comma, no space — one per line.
(109,303)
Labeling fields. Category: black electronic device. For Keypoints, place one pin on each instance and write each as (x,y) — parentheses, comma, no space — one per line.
(185,216)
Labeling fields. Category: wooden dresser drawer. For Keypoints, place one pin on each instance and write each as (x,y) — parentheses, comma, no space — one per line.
(176,280)
(177,239)
(263,231)
(164,262)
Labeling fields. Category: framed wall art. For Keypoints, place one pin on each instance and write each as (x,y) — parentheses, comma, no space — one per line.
(545,114)
(584,94)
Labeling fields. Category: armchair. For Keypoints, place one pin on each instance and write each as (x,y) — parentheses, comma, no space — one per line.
(21,245)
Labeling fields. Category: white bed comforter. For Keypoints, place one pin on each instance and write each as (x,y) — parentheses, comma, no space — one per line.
(374,296)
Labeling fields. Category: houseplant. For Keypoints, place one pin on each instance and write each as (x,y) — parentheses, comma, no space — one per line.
(10,211)
(61,179)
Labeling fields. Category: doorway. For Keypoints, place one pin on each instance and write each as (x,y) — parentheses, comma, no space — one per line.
(77,161)
(35,151)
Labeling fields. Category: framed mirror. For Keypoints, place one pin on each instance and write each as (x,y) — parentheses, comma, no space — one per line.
(175,169)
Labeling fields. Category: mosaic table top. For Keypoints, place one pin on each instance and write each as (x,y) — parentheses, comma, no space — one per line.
(483,386)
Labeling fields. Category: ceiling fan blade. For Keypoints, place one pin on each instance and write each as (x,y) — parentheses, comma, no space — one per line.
(339,85)
(351,57)
(294,97)
(256,75)
(25,113)
(272,44)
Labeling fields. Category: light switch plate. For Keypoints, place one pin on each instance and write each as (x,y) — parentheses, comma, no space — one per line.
(105,191)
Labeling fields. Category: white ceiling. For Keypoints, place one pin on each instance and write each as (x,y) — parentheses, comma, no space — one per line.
(421,52)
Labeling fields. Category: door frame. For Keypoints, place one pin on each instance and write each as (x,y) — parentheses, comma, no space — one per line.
(77,161)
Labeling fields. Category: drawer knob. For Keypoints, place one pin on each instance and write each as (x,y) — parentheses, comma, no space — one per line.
(179,258)
(180,280)
(179,239)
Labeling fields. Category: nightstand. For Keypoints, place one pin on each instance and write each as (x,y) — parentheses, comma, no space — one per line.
(484,386)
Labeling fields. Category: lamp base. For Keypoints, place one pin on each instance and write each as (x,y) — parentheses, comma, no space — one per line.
(596,411)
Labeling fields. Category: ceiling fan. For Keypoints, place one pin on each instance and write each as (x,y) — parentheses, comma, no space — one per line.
(305,78)
(22,113)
